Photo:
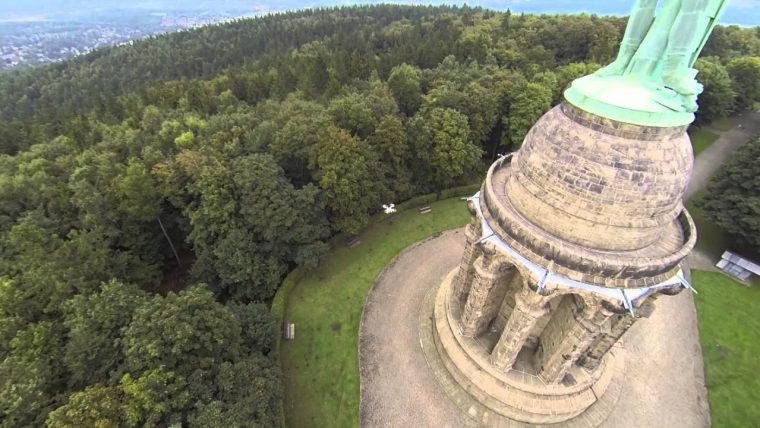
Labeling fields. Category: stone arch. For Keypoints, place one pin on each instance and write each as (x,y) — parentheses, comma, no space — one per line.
(541,322)
(525,356)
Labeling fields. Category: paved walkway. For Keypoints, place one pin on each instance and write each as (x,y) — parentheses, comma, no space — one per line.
(664,383)
(397,387)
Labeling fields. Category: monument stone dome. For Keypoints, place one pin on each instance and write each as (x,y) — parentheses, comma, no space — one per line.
(599,183)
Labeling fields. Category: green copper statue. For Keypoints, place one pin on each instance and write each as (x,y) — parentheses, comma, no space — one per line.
(656,54)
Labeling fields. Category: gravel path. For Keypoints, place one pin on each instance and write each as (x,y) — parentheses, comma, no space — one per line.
(664,383)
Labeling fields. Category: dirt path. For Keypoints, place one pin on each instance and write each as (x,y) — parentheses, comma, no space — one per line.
(664,383)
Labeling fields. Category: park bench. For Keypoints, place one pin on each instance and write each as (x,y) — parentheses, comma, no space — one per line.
(353,241)
(289,330)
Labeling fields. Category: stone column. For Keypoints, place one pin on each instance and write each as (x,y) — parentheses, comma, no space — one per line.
(463,280)
(619,324)
(529,306)
(508,303)
(568,335)
(486,292)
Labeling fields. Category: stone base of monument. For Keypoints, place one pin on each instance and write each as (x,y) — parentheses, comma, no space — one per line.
(518,396)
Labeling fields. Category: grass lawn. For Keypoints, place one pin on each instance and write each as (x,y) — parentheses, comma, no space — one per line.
(729,329)
(320,366)
(724,124)
(701,140)
(710,239)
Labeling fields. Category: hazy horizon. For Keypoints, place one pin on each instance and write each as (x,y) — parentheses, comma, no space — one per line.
(741,12)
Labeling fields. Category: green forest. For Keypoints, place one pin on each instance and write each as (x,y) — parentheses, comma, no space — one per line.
(154,195)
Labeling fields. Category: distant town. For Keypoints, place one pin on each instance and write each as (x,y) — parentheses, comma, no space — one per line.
(29,40)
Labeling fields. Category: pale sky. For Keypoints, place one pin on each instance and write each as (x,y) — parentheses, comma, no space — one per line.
(743,12)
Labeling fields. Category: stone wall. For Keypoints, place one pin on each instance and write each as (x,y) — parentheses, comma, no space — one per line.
(586,186)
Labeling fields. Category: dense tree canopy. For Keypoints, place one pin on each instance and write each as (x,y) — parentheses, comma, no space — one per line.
(404,82)
(249,223)
(443,146)
(153,195)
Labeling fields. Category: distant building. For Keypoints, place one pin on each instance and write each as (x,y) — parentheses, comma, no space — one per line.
(737,266)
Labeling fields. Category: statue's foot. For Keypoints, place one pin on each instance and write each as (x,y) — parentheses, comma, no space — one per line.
(616,68)
(674,100)
(683,85)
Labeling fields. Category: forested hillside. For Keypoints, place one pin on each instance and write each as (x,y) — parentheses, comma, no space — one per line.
(153,195)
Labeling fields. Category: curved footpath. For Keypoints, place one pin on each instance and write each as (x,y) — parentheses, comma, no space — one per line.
(397,387)
(664,384)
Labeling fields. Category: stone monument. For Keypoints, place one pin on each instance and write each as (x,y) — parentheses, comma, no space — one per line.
(573,237)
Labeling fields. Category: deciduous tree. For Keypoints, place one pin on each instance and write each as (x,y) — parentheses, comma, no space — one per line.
(182,332)
(528,104)
(345,169)
(404,82)
(96,406)
(93,352)
(443,145)
(390,144)
(250,223)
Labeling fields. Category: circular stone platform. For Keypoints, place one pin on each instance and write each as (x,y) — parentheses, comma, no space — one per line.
(401,387)
(501,398)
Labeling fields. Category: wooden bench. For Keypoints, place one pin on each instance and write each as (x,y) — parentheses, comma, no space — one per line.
(425,210)
(289,331)
(353,241)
